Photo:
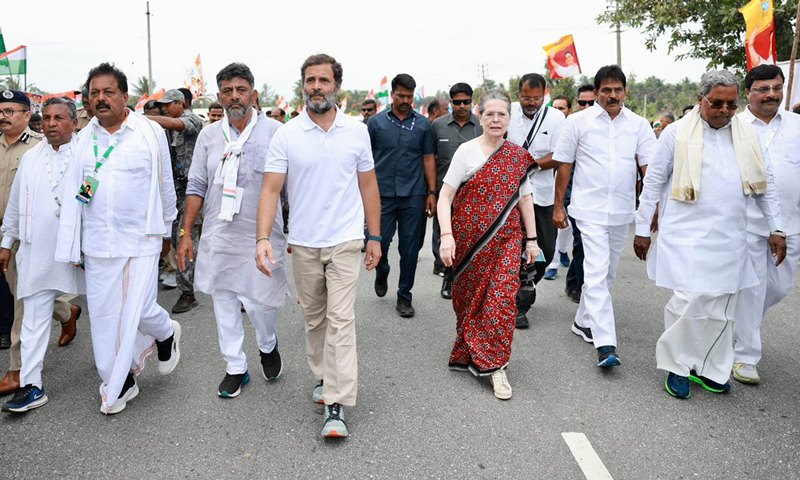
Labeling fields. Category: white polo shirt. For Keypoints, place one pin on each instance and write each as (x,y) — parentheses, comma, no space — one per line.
(542,181)
(780,147)
(325,207)
(605,153)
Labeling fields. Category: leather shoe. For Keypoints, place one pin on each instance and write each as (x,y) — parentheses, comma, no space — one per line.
(68,330)
(185,303)
(5,342)
(404,307)
(573,295)
(381,286)
(521,322)
(10,383)
(447,289)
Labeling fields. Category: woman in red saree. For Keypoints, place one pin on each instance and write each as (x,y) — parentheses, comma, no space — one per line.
(487,190)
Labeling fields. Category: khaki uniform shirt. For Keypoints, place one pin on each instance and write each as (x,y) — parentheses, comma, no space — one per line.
(9,162)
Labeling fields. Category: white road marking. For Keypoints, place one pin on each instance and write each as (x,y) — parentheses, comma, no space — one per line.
(590,463)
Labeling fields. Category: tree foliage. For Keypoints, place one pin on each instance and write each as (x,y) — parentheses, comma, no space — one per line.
(709,30)
(142,86)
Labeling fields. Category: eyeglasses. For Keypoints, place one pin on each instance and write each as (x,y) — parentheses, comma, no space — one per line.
(9,112)
(367,109)
(583,103)
(461,102)
(767,89)
(718,104)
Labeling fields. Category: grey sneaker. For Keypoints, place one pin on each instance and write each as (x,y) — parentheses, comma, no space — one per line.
(333,426)
(316,395)
(746,373)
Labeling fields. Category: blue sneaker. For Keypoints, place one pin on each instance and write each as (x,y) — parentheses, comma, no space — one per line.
(607,357)
(231,385)
(564,259)
(677,386)
(709,384)
(550,274)
(26,398)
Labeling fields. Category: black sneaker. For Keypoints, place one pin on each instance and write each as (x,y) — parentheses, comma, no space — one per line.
(27,398)
(438,270)
(381,286)
(404,307)
(573,295)
(521,322)
(584,332)
(607,357)
(271,363)
(185,303)
(447,289)
(231,385)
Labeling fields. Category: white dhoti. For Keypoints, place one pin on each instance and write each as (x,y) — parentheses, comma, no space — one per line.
(774,284)
(228,312)
(35,335)
(698,335)
(125,318)
(602,248)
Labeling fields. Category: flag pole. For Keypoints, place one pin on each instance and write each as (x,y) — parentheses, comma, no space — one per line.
(792,60)
(149,55)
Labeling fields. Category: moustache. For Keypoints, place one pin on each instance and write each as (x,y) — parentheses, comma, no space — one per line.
(101,105)
(613,101)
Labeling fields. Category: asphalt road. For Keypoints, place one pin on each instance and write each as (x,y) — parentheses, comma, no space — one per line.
(415,418)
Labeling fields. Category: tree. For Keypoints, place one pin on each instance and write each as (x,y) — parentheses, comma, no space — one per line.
(142,86)
(267,96)
(713,31)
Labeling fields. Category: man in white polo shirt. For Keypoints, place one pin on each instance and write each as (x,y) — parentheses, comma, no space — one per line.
(604,143)
(535,128)
(332,185)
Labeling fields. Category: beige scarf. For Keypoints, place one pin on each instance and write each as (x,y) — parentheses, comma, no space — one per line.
(689,158)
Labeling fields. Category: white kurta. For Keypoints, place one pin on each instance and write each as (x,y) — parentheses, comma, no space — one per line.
(31,218)
(702,246)
(225,256)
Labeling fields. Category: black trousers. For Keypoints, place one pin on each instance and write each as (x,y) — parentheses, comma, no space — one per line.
(575,272)
(6,306)
(546,234)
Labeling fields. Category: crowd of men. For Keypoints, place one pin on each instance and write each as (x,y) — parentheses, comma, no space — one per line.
(166,195)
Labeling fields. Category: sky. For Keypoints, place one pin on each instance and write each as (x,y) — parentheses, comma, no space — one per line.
(438,42)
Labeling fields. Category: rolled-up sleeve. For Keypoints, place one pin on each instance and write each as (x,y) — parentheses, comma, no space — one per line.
(198,172)
(168,197)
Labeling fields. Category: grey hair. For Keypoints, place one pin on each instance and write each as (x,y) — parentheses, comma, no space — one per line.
(73,113)
(718,78)
(494,94)
(669,116)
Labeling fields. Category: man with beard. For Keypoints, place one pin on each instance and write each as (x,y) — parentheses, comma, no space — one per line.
(325,159)
(183,127)
(604,143)
(15,140)
(777,130)
(29,221)
(402,146)
(119,214)
(229,157)
(535,128)
(449,132)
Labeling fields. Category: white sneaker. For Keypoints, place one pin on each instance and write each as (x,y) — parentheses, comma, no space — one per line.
(502,389)
(122,401)
(746,373)
(168,364)
(170,281)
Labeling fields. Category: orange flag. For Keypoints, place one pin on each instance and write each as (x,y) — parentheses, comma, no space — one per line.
(760,39)
(562,58)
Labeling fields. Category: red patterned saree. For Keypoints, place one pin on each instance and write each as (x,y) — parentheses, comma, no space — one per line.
(488,234)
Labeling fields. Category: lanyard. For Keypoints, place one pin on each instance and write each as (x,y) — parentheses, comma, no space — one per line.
(98,161)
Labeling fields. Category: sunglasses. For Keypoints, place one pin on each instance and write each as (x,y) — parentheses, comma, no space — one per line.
(583,103)
(367,109)
(461,102)
(718,104)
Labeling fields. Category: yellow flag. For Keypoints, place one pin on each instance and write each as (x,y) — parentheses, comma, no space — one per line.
(760,38)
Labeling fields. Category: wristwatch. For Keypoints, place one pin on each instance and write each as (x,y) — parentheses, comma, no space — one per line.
(431,192)
(181,233)
(778,233)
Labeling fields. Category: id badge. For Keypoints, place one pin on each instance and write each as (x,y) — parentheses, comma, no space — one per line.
(88,189)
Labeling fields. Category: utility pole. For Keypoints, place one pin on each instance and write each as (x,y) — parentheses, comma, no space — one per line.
(483,67)
(619,39)
(149,55)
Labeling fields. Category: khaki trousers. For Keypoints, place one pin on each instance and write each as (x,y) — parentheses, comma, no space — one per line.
(326,286)
(60,312)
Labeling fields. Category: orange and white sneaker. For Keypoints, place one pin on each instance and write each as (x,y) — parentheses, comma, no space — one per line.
(333,426)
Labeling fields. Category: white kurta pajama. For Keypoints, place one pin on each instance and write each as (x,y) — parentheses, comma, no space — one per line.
(701,253)
(120,233)
(224,266)
(605,153)
(31,217)
(780,147)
